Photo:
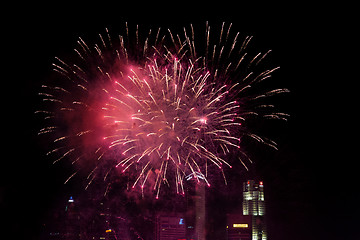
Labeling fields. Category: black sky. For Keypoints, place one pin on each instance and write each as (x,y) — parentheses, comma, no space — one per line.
(310,183)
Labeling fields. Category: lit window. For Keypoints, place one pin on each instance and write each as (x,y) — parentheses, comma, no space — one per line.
(240,225)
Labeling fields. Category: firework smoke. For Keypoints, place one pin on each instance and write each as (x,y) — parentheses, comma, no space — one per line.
(155,109)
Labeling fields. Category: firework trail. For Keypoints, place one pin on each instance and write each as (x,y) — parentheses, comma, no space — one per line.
(156,109)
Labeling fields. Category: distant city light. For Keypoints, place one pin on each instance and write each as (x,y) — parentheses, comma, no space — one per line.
(240,225)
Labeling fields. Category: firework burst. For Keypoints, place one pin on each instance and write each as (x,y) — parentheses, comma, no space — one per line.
(156,109)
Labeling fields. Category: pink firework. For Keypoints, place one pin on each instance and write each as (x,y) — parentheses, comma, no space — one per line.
(156,109)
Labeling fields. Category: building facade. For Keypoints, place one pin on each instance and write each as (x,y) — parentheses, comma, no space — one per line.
(170,227)
(254,206)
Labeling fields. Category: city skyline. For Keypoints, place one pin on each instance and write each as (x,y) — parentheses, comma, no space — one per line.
(89,217)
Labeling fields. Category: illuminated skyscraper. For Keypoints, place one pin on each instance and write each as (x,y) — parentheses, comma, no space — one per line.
(254,205)
(72,221)
(196,212)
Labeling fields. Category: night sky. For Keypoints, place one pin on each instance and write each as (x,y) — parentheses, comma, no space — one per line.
(311,191)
